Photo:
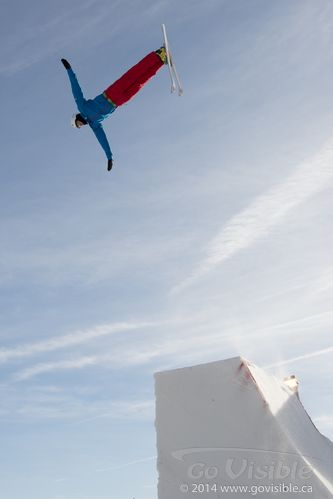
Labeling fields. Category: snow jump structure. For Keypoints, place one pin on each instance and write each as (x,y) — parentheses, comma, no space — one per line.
(228,429)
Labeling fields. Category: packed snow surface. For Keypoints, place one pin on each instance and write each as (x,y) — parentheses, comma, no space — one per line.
(229,429)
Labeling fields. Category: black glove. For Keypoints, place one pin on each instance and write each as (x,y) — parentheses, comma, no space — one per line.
(66,64)
(110,164)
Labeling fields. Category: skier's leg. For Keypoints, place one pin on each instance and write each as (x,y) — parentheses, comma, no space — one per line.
(129,84)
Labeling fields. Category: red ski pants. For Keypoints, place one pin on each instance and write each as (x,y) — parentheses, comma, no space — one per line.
(129,84)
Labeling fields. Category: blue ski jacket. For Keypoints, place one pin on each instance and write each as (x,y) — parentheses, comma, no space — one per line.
(94,111)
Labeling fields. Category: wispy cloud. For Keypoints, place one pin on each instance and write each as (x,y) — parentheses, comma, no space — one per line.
(72,339)
(82,22)
(199,341)
(317,353)
(121,408)
(126,465)
(124,356)
(266,211)
(322,319)
(63,365)
(38,40)
(70,405)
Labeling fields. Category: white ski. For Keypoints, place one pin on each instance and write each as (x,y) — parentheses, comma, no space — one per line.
(174,77)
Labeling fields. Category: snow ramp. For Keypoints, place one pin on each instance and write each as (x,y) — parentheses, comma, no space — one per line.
(228,429)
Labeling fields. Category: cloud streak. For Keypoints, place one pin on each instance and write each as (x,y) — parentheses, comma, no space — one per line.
(126,465)
(266,211)
(72,339)
(63,365)
(123,356)
(70,405)
(195,343)
(317,353)
(38,41)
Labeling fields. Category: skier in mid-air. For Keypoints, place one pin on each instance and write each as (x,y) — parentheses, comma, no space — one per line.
(93,111)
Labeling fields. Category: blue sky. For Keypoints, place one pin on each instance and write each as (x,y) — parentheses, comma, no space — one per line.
(210,238)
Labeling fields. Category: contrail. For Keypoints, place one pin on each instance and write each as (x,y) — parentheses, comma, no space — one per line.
(266,211)
(69,340)
(125,465)
(306,356)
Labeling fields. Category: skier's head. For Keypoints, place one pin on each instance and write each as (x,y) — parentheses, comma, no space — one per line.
(78,120)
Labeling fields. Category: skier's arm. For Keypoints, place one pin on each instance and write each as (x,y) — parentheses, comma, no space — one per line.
(102,139)
(76,89)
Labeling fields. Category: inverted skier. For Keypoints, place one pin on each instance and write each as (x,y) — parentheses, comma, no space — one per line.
(93,111)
